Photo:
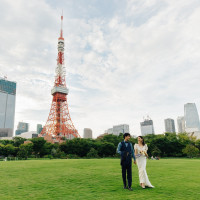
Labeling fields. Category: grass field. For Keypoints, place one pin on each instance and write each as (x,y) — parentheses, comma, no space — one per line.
(97,179)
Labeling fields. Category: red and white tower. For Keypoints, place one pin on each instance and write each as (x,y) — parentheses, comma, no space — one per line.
(59,124)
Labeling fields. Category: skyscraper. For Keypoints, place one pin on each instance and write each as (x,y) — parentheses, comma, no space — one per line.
(39,128)
(147,127)
(121,128)
(22,128)
(181,124)
(7,107)
(169,126)
(117,129)
(87,133)
(191,118)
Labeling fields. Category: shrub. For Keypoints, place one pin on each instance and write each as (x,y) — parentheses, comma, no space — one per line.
(156,152)
(92,153)
(191,151)
(25,150)
(72,156)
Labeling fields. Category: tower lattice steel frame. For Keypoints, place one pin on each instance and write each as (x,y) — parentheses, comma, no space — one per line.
(59,124)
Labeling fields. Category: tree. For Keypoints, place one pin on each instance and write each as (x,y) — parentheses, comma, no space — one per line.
(2,150)
(174,147)
(107,149)
(111,138)
(197,144)
(156,152)
(184,139)
(53,152)
(159,142)
(76,146)
(191,151)
(5,142)
(47,148)
(93,153)
(9,150)
(18,141)
(25,150)
(38,145)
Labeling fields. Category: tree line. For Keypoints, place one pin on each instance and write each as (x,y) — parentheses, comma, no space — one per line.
(163,145)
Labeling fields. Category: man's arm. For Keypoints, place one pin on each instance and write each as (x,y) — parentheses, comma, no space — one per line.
(132,151)
(119,148)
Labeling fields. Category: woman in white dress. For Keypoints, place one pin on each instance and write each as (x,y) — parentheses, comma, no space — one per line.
(141,155)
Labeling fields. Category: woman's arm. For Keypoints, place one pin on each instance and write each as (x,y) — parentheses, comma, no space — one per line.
(135,148)
(145,152)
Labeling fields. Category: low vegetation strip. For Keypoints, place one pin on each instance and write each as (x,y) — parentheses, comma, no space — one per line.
(164,145)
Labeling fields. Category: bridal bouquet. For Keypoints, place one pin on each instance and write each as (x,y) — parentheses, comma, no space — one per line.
(142,152)
(138,155)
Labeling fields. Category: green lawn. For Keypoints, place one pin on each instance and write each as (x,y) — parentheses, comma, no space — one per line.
(97,179)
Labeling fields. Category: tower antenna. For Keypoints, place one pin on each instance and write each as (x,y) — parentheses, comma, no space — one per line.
(61,29)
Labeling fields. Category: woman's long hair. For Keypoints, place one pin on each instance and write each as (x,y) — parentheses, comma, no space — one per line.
(143,143)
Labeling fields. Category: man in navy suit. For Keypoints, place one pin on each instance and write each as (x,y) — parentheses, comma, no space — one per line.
(125,149)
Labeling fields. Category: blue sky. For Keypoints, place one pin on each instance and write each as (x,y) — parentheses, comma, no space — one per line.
(124,59)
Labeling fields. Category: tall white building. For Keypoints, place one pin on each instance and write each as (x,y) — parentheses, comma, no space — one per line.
(109,131)
(147,127)
(169,126)
(122,128)
(117,129)
(181,124)
(87,133)
(191,118)
(7,107)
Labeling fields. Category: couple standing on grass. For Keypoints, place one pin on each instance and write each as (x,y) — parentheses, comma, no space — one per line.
(125,149)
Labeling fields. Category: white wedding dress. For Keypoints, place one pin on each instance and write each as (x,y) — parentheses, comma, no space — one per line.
(141,163)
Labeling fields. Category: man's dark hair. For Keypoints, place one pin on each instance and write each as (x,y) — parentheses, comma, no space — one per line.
(126,134)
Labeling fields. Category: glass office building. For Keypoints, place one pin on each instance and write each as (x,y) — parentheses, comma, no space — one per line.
(7,107)
(22,127)
(117,129)
(181,124)
(191,117)
(169,126)
(121,128)
(147,127)
(39,128)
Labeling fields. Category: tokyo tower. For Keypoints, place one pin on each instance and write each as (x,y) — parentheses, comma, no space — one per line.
(59,125)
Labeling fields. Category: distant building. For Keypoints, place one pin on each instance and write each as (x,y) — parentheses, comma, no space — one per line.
(191,118)
(169,126)
(147,127)
(195,134)
(6,138)
(110,131)
(29,135)
(122,128)
(7,107)
(87,133)
(6,132)
(181,124)
(39,128)
(22,128)
(117,129)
